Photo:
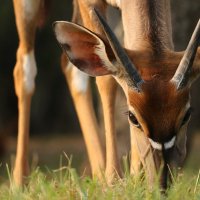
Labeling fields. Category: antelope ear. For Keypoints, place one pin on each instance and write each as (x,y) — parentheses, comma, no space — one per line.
(84,49)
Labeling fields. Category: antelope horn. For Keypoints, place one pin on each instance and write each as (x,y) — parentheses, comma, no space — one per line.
(181,75)
(134,79)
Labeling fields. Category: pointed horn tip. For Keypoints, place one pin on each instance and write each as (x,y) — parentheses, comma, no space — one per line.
(186,63)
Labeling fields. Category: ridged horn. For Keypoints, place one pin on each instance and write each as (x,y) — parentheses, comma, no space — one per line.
(182,73)
(134,79)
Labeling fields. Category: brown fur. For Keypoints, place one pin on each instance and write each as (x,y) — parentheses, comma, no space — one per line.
(151,38)
(159,105)
(147,25)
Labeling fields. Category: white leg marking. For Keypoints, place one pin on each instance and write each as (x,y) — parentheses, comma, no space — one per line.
(69,67)
(30,71)
(30,8)
(79,80)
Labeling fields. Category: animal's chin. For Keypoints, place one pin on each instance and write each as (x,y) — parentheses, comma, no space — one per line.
(164,165)
(177,158)
(167,163)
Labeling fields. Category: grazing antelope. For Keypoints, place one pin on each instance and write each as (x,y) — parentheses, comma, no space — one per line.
(145,78)
(156,80)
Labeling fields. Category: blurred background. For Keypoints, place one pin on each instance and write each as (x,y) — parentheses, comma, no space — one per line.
(54,124)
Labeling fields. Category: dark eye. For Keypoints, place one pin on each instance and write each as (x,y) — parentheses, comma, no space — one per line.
(133,119)
(186,117)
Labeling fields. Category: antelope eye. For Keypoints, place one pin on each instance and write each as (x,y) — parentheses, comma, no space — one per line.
(133,119)
(186,117)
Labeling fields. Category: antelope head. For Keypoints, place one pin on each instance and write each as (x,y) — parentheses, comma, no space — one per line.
(157,88)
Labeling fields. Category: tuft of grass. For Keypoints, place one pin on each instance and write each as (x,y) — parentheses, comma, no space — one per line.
(65,184)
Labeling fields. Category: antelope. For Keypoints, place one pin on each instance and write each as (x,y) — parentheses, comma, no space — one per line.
(155,79)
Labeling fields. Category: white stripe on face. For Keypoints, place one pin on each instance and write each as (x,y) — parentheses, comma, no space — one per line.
(167,145)
(170,144)
(155,145)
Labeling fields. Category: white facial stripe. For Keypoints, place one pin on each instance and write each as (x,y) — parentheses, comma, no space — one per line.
(170,144)
(79,80)
(167,145)
(30,71)
(155,145)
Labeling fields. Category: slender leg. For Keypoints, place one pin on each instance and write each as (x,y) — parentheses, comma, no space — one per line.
(26,12)
(107,88)
(80,89)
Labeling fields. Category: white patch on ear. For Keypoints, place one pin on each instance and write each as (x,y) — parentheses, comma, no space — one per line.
(79,80)
(167,145)
(31,8)
(30,71)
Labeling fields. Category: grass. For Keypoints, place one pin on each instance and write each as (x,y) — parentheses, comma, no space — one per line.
(65,183)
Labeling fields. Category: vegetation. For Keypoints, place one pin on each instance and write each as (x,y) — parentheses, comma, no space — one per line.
(65,183)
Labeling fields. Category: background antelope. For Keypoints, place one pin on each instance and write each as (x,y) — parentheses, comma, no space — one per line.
(26,46)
